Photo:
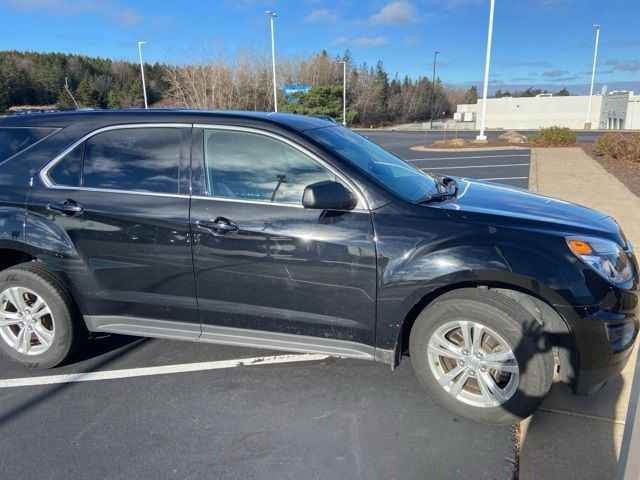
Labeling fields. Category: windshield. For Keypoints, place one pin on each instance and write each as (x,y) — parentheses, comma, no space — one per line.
(392,172)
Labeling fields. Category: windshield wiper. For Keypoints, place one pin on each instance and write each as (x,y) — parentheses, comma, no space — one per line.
(447,188)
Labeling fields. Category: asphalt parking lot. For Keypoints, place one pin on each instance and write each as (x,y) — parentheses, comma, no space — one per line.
(160,409)
(417,135)
(509,167)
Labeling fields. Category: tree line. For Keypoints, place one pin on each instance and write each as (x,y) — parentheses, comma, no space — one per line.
(244,82)
(29,78)
(530,92)
(217,80)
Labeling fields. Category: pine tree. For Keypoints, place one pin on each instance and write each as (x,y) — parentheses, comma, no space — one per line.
(64,100)
(112,100)
(471,95)
(87,94)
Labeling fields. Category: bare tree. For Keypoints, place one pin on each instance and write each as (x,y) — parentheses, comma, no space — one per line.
(211,78)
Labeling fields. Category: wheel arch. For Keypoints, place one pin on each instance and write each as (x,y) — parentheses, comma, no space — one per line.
(10,256)
(557,328)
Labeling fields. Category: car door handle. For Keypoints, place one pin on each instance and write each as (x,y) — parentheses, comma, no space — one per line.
(68,208)
(219,226)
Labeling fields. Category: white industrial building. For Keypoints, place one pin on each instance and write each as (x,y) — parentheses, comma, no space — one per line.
(615,110)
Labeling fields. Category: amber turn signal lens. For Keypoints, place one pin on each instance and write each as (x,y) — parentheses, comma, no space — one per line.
(580,247)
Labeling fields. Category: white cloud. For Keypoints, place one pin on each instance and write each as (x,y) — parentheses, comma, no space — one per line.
(361,42)
(115,12)
(370,42)
(322,15)
(340,41)
(555,73)
(625,66)
(401,12)
(457,3)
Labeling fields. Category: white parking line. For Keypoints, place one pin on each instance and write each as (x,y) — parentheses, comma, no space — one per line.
(463,158)
(503,178)
(477,166)
(161,370)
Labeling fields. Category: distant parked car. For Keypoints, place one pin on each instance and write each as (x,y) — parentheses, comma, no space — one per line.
(285,232)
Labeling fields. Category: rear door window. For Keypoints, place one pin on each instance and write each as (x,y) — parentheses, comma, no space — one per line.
(14,140)
(134,159)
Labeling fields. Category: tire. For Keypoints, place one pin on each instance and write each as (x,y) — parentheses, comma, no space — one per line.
(50,339)
(510,339)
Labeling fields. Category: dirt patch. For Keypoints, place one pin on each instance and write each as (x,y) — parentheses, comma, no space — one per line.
(628,172)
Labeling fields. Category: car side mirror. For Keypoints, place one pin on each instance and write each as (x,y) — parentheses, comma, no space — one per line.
(328,195)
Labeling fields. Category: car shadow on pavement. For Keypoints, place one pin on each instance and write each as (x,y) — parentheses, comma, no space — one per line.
(566,439)
(99,352)
(101,344)
(570,436)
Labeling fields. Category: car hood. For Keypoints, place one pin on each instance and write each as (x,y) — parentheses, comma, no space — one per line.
(518,206)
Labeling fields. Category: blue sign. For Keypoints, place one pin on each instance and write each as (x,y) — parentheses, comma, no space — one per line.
(290,91)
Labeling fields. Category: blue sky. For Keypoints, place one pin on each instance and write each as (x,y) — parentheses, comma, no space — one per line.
(545,43)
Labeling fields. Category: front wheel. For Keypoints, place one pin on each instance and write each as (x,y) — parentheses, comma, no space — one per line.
(482,355)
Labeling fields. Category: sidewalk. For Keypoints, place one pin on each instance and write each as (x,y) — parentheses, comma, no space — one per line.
(574,436)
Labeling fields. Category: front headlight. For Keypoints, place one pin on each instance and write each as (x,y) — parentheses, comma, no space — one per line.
(604,256)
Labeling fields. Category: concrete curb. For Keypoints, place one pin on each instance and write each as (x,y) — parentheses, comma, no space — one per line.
(629,464)
(420,148)
(533,171)
(575,437)
(418,129)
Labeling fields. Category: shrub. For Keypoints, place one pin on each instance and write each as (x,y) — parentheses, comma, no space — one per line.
(554,137)
(619,146)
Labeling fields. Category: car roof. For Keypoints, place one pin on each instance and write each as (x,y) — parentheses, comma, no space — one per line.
(66,118)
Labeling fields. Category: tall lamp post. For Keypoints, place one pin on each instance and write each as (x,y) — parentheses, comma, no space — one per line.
(593,76)
(433,88)
(344,94)
(144,87)
(487,61)
(273,15)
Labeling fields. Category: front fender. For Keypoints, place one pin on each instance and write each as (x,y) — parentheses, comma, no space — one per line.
(451,254)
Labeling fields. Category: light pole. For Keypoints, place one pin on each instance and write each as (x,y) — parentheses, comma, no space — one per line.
(344,94)
(487,61)
(144,87)
(433,88)
(273,15)
(593,76)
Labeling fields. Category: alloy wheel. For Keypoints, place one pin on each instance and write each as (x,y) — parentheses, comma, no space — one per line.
(26,322)
(473,363)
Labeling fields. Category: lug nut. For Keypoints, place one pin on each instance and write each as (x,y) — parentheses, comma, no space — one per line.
(465,352)
(472,372)
(461,363)
(479,354)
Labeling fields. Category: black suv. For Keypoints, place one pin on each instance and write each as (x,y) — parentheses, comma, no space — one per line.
(285,232)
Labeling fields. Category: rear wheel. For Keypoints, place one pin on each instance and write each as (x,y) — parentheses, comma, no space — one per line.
(482,356)
(39,324)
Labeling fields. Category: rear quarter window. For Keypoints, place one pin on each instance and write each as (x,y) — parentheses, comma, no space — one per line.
(134,159)
(14,140)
